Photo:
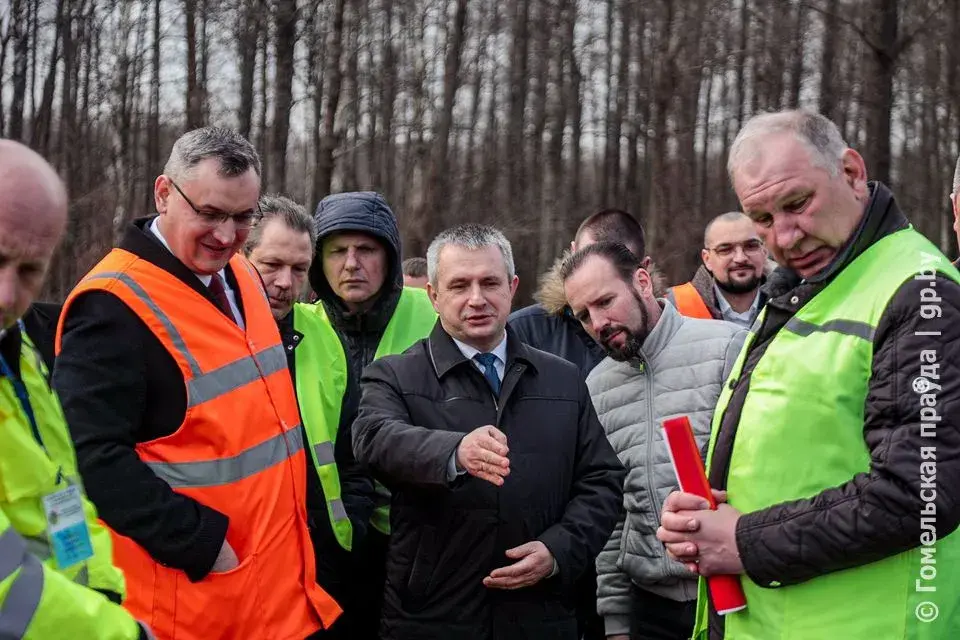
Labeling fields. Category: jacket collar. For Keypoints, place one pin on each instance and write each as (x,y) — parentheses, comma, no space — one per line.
(662,332)
(372,320)
(140,241)
(446,355)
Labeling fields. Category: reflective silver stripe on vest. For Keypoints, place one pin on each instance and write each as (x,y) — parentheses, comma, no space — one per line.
(207,386)
(338,510)
(211,473)
(12,550)
(39,547)
(23,598)
(324,453)
(846,327)
(238,373)
(175,336)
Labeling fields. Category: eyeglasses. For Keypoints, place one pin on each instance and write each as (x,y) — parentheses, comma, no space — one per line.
(727,249)
(217,218)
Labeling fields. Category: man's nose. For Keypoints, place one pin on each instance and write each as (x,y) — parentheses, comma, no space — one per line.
(786,234)
(225,233)
(351,263)
(476,296)
(284,278)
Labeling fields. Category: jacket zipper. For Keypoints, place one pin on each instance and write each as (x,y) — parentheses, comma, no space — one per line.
(651,443)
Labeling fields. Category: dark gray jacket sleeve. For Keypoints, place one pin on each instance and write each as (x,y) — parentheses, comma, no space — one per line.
(878,514)
(385,440)
(595,498)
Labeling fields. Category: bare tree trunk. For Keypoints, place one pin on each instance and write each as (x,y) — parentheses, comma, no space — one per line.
(43,120)
(193,99)
(323,177)
(19,27)
(519,49)
(828,100)
(285,21)
(246,39)
(153,137)
(437,193)
(878,89)
(796,73)
(388,100)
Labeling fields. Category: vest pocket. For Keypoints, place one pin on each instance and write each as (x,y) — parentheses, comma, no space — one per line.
(222,605)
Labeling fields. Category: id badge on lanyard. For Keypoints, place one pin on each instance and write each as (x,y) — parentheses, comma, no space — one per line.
(67,528)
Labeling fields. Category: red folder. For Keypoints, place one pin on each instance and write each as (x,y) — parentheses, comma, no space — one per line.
(725,590)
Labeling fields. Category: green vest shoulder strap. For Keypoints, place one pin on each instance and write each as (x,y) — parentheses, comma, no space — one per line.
(58,602)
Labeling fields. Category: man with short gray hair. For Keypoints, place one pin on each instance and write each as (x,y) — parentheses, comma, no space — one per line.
(836,440)
(175,387)
(504,485)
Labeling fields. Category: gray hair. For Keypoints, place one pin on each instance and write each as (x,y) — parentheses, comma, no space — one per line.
(818,133)
(956,179)
(293,215)
(234,152)
(469,236)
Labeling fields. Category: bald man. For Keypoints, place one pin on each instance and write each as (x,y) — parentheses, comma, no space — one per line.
(727,285)
(57,578)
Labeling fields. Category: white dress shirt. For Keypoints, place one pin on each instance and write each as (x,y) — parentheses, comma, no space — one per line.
(728,313)
(205,279)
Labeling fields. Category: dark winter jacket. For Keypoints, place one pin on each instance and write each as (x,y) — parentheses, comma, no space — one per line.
(564,489)
(356,488)
(876,514)
(360,333)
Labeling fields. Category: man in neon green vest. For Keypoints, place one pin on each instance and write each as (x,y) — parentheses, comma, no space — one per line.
(363,312)
(837,437)
(57,578)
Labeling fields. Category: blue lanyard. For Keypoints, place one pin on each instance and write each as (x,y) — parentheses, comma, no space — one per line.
(20,390)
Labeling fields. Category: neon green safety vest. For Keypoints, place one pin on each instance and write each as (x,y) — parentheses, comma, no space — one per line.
(51,602)
(801,432)
(320,359)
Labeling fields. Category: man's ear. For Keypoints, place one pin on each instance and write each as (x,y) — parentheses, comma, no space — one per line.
(161,191)
(855,172)
(432,294)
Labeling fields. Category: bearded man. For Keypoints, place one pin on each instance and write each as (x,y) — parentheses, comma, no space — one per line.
(728,284)
(659,364)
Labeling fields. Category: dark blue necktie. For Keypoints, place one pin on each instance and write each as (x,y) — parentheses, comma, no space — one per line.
(487,361)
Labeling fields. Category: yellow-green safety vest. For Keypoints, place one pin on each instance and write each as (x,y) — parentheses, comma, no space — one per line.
(321,372)
(801,432)
(38,599)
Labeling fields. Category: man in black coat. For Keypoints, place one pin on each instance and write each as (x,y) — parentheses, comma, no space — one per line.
(504,486)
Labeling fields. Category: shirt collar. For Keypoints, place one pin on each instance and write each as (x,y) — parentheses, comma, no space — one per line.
(727,310)
(500,351)
(205,279)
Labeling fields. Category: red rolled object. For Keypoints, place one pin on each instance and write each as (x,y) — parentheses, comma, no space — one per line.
(726,592)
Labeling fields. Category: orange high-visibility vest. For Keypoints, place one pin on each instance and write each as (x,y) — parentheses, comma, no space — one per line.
(238,450)
(689,303)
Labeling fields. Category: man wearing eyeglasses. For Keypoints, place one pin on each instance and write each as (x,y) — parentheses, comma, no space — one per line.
(727,285)
(174,382)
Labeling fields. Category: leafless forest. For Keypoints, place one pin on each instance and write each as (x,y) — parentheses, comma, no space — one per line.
(524,113)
